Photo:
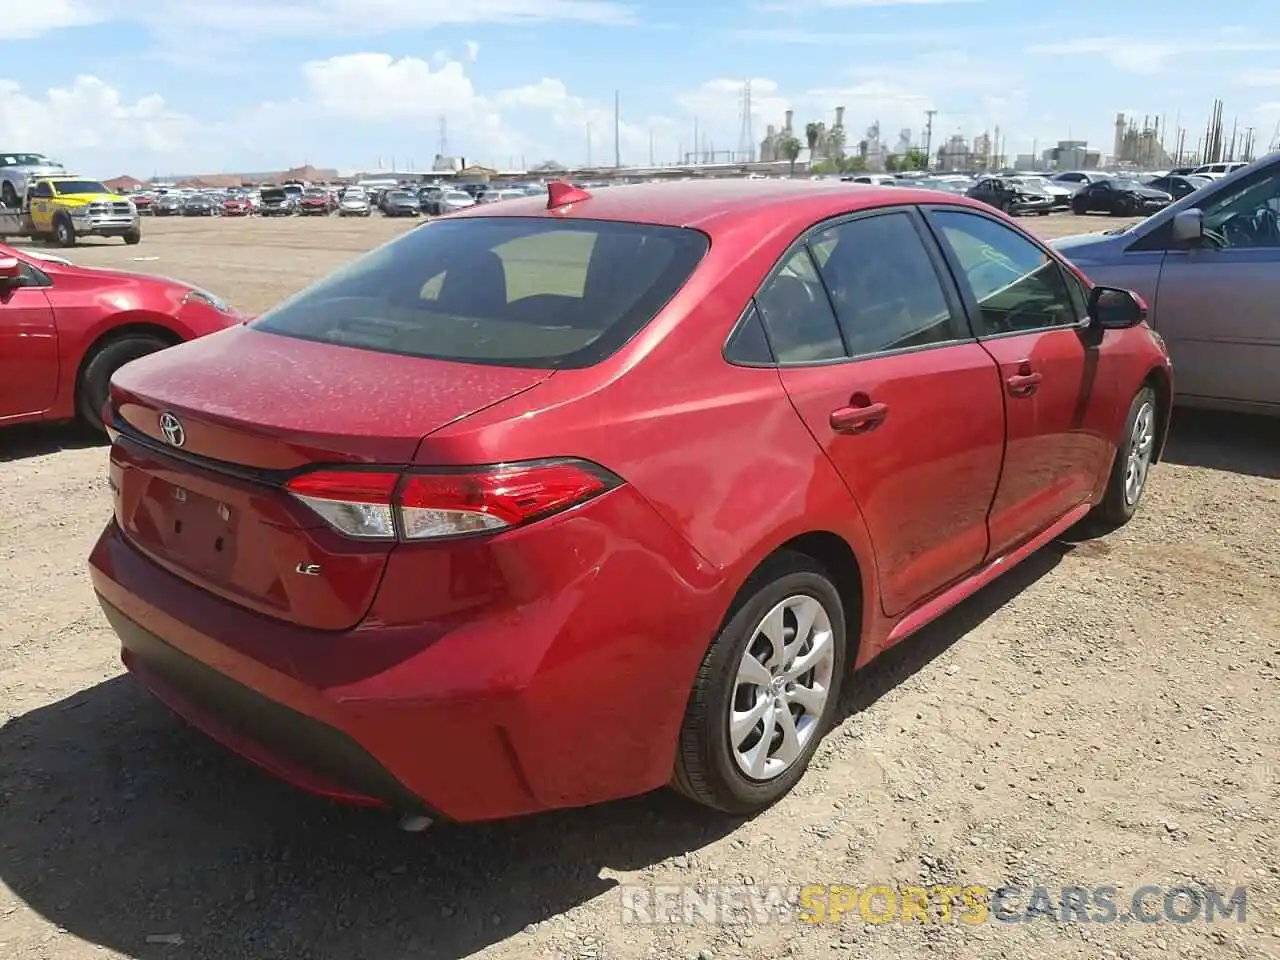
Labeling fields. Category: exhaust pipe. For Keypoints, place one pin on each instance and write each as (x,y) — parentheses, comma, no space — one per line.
(414,823)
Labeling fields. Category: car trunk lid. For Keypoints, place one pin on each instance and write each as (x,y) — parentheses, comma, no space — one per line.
(208,432)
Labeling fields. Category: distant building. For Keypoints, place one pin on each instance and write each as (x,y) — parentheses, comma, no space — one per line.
(124,184)
(955,155)
(1139,146)
(829,144)
(1071,155)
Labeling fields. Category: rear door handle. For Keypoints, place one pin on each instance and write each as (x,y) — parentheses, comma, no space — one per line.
(858,419)
(1022,384)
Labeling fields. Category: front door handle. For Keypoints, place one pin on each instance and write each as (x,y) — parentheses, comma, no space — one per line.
(1024,384)
(858,419)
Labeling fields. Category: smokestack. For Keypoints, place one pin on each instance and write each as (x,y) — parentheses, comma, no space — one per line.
(839,116)
(787,124)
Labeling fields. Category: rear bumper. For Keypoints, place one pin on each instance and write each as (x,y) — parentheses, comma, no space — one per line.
(565,688)
(289,744)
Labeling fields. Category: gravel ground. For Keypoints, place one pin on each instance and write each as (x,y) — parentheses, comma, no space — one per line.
(1105,715)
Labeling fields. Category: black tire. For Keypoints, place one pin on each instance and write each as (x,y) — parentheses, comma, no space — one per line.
(1118,505)
(705,769)
(64,232)
(133,237)
(9,196)
(1078,209)
(95,378)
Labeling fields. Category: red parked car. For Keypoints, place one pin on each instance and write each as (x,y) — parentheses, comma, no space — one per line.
(237,207)
(64,330)
(565,499)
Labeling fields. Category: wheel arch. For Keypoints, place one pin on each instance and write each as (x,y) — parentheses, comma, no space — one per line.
(128,325)
(850,576)
(1158,379)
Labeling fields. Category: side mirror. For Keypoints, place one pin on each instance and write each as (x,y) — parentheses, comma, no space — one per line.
(1188,226)
(10,269)
(1112,308)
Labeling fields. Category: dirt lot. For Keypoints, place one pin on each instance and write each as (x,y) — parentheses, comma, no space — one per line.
(1105,715)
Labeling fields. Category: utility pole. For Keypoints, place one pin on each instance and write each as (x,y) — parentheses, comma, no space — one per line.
(746,138)
(444,136)
(617,130)
(928,138)
(588,144)
(696,143)
(651,161)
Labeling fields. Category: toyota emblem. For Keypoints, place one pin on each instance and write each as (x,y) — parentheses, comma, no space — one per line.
(171,427)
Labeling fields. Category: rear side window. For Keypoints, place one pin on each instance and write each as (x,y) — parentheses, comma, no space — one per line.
(797,313)
(508,291)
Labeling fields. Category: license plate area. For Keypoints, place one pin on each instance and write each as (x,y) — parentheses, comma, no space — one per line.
(197,531)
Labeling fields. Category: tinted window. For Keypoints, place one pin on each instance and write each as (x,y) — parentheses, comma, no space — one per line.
(885,289)
(749,344)
(500,290)
(72,187)
(1017,285)
(1247,214)
(797,313)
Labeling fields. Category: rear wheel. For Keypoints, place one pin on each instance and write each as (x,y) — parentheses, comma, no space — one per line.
(95,379)
(1129,470)
(767,690)
(8,195)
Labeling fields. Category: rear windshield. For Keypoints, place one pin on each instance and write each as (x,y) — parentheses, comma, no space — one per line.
(511,291)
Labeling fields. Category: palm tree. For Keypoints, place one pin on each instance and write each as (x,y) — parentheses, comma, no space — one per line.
(835,144)
(789,148)
(812,133)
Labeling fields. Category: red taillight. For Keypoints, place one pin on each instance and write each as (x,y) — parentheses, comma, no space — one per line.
(424,505)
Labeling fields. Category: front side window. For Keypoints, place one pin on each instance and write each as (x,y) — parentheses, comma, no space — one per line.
(884,286)
(512,291)
(1247,214)
(42,190)
(1018,287)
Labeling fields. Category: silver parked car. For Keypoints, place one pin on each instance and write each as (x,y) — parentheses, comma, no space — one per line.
(17,170)
(1209,268)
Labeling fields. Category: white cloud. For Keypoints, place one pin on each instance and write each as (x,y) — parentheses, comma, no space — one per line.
(791,36)
(1151,57)
(22,20)
(1258,77)
(92,118)
(312,18)
(592,124)
(857,4)
(374,88)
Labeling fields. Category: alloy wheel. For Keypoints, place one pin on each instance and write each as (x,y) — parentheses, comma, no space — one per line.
(1141,446)
(781,688)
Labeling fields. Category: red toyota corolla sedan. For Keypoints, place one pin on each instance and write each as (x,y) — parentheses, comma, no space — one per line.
(568,498)
(64,330)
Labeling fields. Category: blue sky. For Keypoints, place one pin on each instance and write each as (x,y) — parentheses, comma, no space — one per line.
(180,86)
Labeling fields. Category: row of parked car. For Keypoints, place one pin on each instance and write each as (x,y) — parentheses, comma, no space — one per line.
(350,201)
(1021,193)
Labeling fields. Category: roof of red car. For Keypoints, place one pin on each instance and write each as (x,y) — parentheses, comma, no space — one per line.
(702,203)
